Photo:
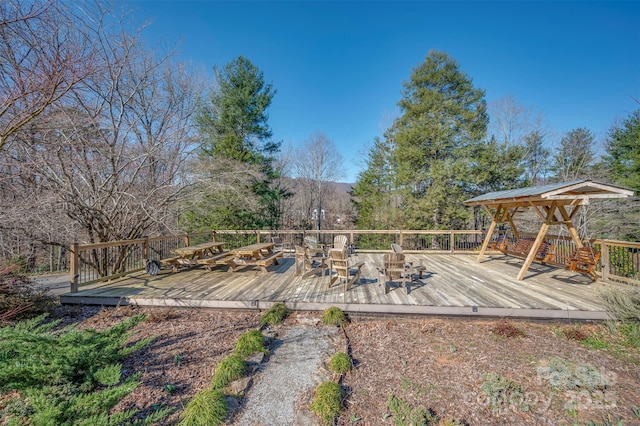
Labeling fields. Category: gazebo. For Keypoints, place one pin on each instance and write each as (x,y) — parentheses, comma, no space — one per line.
(555,204)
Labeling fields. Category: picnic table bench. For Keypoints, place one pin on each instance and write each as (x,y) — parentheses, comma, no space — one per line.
(259,254)
(192,255)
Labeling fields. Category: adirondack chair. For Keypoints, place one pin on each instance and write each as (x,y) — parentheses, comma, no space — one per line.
(419,269)
(307,265)
(340,242)
(278,244)
(395,269)
(341,264)
(314,247)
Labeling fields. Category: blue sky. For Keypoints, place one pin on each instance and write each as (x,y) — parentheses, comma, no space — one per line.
(338,67)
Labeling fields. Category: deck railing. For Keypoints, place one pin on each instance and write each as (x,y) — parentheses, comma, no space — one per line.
(91,263)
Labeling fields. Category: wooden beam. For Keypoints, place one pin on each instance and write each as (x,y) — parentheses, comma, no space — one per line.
(551,212)
(569,224)
(487,238)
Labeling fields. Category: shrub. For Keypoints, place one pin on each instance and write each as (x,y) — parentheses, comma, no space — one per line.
(249,343)
(327,402)
(275,315)
(207,408)
(340,363)
(561,373)
(501,391)
(67,376)
(574,333)
(405,415)
(508,329)
(334,316)
(230,368)
(20,298)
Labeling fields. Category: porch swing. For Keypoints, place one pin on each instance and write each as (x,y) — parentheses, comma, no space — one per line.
(555,204)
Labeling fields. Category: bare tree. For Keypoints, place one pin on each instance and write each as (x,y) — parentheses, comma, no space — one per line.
(44,53)
(511,121)
(113,156)
(315,165)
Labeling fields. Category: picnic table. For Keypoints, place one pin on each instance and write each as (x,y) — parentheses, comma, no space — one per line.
(259,254)
(195,255)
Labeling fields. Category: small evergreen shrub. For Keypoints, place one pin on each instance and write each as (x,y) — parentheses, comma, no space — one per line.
(575,333)
(561,373)
(230,368)
(507,329)
(67,376)
(275,315)
(207,408)
(327,402)
(340,363)
(334,316)
(249,343)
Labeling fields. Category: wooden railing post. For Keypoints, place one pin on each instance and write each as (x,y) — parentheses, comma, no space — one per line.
(145,249)
(74,268)
(186,240)
(213,236)
(401,238)
(452,241)
(604,249)
(257,236)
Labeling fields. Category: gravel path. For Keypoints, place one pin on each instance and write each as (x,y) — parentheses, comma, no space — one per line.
(293,370)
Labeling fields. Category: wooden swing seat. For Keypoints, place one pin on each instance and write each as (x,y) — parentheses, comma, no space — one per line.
(522,247)
(584,261)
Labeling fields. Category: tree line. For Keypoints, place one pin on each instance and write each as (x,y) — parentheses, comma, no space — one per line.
(103,139)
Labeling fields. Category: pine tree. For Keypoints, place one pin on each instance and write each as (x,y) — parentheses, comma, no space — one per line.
(623,149)
(443,118)
(374,194)
(234,126)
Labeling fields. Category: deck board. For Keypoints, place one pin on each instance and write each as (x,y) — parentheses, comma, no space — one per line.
(450,284)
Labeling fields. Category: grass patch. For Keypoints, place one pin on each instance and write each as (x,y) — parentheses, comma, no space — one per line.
(340,363)
(327,402)
(206,408)
(230,368)
(631,332)
(622,304)
(405,415)
(275,315)
(249,343)
(334,316)
(502,392)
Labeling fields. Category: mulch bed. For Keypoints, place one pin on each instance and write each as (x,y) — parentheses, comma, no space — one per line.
(437,364)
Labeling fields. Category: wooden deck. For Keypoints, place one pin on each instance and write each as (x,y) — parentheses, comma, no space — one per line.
(452,285)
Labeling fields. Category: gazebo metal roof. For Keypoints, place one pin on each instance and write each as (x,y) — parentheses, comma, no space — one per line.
(582,189)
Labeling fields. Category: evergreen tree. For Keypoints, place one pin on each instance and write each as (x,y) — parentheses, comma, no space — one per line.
(374,195)
(498,167)
(234,122)
(536,158)
(574,156)
(443,118)
(234,126)
(623,149)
